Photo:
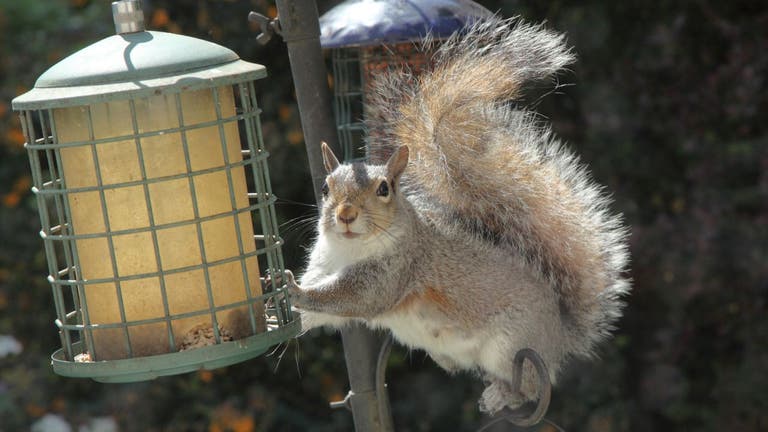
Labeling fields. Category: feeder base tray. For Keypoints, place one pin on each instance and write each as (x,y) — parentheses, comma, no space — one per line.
(151,367)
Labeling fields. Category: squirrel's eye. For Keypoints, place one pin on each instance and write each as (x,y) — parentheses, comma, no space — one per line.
(383,189)
(324,189)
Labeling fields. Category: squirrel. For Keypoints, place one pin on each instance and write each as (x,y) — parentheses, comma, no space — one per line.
(471,233)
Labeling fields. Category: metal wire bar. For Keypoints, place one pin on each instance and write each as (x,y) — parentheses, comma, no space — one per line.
(346,88)
(158,273)
(173,317)
(255,151)
(247,154)
(57,173)
(198,223)
(158,132)
(270,231)
(110,241)
(34,157)
(233,202)
(221,215)
(63,212)
(283,301)
(261,183)
(50,187)
(151,220)
(78,290)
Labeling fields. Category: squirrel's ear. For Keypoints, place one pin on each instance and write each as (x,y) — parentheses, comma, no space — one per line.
(398,161)
(329,159)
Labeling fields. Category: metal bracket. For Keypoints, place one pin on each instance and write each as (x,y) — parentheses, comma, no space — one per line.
(381,386)
(345,403)
(267,26)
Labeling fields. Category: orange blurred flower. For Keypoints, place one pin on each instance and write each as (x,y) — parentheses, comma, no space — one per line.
(15,136)
(19,189)
(160,18)
(228,419)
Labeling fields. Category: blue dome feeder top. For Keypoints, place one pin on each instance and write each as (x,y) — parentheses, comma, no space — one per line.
(374,22)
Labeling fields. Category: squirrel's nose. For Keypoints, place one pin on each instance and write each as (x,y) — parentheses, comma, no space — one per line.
(346,213)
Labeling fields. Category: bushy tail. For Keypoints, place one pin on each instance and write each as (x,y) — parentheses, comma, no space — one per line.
(478,160)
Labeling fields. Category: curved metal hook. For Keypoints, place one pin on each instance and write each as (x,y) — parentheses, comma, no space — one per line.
(529,413)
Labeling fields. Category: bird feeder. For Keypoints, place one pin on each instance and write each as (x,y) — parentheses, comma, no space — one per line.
(367,37)
(157,213)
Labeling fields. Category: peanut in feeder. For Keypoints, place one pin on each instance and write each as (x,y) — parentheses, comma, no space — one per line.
(155,245)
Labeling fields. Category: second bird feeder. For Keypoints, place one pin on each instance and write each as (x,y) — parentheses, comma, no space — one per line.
(367,37)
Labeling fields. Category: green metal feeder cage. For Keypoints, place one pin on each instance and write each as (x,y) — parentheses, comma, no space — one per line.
(143,148)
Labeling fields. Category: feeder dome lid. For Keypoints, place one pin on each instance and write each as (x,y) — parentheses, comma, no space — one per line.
(146,62)
(134,57)
(371,22)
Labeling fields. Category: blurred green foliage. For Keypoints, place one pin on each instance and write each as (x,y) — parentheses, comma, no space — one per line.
(668,107)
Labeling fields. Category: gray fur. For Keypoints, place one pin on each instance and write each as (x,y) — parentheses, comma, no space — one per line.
(496,234)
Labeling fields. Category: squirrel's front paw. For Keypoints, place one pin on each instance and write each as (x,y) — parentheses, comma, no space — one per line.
(290,283)
(294,290)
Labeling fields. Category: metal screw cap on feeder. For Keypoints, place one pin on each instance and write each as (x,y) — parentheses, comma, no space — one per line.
(367,37)
(141,147)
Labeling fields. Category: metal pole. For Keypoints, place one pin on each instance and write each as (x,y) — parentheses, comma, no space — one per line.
(300,29)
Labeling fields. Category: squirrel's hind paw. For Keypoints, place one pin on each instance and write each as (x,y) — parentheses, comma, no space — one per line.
(499,394)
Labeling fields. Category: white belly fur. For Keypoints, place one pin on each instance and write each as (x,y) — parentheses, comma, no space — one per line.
(458,344)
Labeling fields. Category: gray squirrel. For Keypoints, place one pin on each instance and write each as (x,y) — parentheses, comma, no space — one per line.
(472,233)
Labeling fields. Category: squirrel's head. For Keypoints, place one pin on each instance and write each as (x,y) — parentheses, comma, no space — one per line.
(359,200)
